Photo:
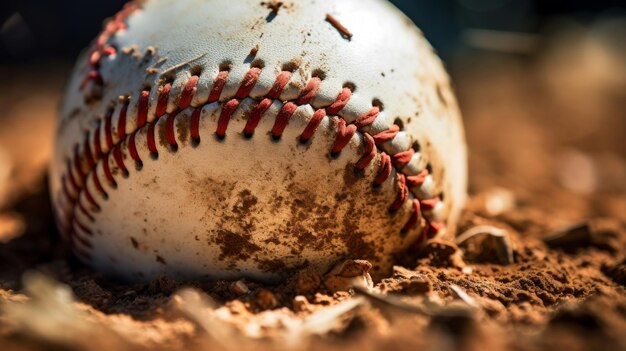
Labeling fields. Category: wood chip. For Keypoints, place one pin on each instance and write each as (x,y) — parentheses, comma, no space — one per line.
(345,33)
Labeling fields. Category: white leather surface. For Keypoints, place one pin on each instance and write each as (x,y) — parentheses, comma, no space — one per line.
(174,209)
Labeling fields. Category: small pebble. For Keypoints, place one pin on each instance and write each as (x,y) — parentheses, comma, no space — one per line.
(239,288)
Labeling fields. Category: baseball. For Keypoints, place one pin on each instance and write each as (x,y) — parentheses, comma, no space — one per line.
(212,139)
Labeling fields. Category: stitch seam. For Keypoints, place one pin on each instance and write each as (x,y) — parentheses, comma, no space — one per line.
(345,133)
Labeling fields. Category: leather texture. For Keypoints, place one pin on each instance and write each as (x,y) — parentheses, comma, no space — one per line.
(254,206)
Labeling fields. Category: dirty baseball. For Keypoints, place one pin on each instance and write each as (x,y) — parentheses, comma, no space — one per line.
(227,139)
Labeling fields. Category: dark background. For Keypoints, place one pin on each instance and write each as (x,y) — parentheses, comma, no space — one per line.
(35,30)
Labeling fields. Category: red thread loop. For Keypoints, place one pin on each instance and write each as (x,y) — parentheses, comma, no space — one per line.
(92,76)
(78,164)
(84,211)
(403,193)
(430,204)
(83,227)
(255,116)
(279,85)
(227,111)
(248,83)
(218,86)
(132,148)
(66,190)
(308,93)
(404,157)
(96,142)
(314,123)
(163,99)
(169,129)
(387,135)
(99,187)
(91,163)
(151,139)
(194,127)
(283,119)
(119,159)
(340,102)
(433,228)
(344,135)
(108,133)
(71,178)
(91,200)
(370,151)
(384,172)
(142,109)
(186,96)
(121,122)
(109,50)
(107,171)
(368,118)
(413,220)
(417,180)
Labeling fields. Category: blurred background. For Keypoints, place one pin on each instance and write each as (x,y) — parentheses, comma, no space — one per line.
(542,87)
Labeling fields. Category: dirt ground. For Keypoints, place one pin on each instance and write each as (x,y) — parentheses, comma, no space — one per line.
(543,266)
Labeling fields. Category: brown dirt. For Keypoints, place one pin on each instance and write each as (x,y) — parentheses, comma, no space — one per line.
(543,158)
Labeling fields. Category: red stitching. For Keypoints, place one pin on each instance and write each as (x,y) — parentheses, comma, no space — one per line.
(218,86)
(169,129)
(194,128)
(227,111)
(90,198)
(342,100)
(279,85)
(414,216)
(255,116)
(186,96)
(403,193)
(387,135)
(248,83)
(119,159)
(314,123)
(151,139)
(310,91)
(84,211)
(66,190)
(121,122)
(71,176)
(108,133)
(368,118)
(99,187)
(83,227)
(87,152)
(101,48)
(162,100)
(432,229)
(107,171)
(345,132)
(92,76)
(369,152)
(404,157)
(417,180)
(96,142)
(344,135)
(142,108)
(430,204)
(384,172)
(283,119)
(132,147)
(77,162)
